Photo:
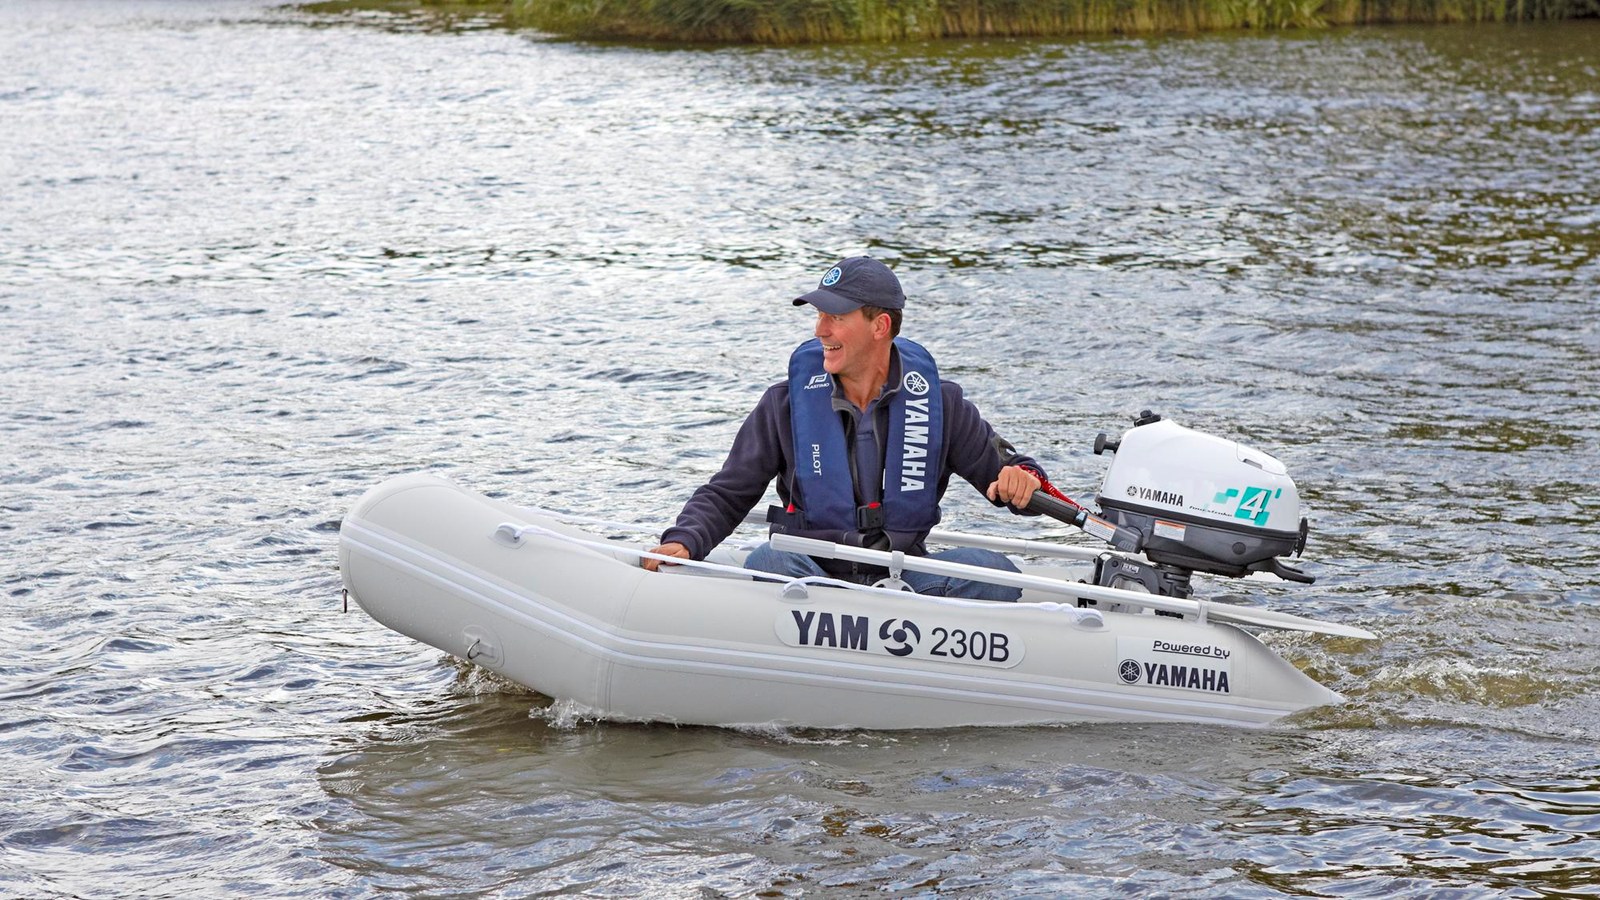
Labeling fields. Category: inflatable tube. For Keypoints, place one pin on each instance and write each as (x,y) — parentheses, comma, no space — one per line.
(511,590)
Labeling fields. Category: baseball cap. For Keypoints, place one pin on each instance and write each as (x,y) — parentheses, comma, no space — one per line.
(853,283)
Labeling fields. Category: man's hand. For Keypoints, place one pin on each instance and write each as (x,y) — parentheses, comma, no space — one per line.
(672,549)
(1015,485)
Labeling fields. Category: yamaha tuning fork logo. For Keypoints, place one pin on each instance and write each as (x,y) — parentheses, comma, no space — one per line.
(916,383)
(832,278)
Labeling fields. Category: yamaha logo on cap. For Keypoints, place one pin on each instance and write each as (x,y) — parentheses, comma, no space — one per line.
(832,278)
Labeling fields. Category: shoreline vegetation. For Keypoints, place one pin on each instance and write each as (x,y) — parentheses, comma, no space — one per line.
(832,21)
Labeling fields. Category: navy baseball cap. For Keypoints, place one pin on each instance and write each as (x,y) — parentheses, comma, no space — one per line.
(853,283)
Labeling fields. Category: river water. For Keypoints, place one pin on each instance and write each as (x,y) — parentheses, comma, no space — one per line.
(253,260)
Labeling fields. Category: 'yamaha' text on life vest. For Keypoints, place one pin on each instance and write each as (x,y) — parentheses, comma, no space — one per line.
(916,445)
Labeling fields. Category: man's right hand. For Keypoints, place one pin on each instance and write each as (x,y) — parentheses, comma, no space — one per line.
(672,549)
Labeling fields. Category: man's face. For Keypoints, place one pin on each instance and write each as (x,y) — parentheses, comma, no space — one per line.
(847,342)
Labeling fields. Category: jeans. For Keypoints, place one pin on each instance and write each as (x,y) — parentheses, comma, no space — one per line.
(798,565)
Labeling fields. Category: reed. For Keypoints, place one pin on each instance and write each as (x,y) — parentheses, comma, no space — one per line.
(1360,12)
(818,21)
(807,21)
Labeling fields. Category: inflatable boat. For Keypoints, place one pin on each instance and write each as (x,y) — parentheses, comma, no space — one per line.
(565,608)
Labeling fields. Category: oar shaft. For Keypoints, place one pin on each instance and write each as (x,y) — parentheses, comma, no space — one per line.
(1241,615)
(1015,545)
(812,547)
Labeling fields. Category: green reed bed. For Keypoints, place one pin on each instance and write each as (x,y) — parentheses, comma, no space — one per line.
(1363,12)
(818,21)
(809,21)
(803,21)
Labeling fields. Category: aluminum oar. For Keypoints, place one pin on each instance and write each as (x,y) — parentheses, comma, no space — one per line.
(1021,545)
(1201,608)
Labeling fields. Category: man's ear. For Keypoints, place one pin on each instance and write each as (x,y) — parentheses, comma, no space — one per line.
(881,326)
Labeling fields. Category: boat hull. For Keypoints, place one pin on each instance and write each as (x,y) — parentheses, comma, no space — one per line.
(431,561)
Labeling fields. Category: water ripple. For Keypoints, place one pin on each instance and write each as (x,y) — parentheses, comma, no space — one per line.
(256,259)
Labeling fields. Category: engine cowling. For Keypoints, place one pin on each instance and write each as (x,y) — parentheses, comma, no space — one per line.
(1200,502)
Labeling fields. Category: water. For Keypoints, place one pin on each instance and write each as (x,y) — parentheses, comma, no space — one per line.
(254,260)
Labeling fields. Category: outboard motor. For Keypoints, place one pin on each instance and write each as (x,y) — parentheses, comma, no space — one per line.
(1202,502)
(1192,502)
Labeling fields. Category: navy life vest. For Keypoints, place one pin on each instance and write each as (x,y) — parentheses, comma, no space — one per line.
(824,480)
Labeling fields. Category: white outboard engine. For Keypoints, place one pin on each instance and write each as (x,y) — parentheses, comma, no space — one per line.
(1192,502)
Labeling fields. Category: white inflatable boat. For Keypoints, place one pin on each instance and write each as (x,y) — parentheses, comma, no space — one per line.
(571,614)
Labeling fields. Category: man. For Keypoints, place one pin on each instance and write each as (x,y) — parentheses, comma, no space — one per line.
(863,438)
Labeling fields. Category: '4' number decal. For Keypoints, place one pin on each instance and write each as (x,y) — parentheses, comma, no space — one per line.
(1252,503)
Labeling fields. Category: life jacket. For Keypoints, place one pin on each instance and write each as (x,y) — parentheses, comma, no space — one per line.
(824,482)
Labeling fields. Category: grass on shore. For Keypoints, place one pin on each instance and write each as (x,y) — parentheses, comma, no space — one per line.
(812,21)
(821,21)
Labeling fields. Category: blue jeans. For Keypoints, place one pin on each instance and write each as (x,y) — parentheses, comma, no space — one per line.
(798,565)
